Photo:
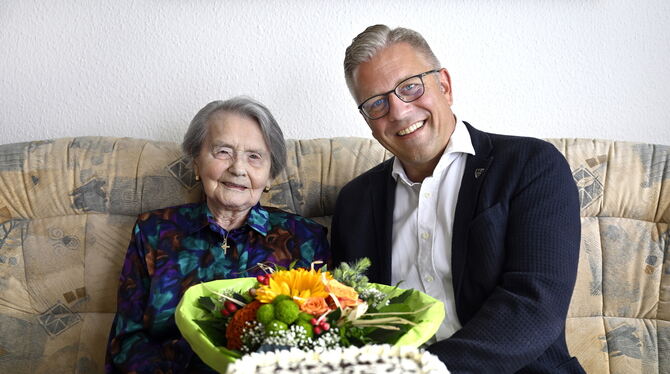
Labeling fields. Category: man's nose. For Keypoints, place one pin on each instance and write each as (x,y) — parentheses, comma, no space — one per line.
(397,107)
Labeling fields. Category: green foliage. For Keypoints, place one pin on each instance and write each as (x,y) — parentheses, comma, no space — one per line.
(349,334)
(213,306)
(394,308)
(353,275)
(334,316)
(387,336)
(390,336)
(305,316)
(214,330)
(398,299)
(242,298)
(292,265)
(352,335)
(206,303)
(214,303)
(278,267)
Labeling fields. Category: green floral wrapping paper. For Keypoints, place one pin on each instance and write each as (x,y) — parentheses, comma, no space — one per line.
(188,311)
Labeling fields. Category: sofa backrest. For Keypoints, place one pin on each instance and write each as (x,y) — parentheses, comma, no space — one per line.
(619,318)
(67,207)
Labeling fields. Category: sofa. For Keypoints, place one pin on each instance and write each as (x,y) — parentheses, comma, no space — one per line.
(67,207)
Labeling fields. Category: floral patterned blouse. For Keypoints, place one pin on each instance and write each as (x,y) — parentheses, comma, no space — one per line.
(174,248)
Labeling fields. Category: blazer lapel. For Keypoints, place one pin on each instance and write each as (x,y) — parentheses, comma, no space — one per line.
(383,202)
(476,168)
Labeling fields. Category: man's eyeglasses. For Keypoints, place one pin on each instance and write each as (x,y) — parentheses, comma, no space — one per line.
(408,90)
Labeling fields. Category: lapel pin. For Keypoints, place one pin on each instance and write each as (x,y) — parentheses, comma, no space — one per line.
(479,172)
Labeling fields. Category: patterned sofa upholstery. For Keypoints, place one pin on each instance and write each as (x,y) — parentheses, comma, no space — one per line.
(67,207)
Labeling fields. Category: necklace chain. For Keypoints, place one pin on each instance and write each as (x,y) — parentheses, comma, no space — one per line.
(224,244)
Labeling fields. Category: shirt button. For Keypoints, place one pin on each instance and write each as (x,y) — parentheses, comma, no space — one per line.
(429,278)
(426,195)
(425,235)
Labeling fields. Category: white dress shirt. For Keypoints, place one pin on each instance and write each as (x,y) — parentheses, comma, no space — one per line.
(423,220)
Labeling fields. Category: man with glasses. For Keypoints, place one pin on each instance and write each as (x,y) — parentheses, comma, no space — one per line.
(488,224)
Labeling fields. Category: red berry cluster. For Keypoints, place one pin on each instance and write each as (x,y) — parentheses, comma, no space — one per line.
(319,327)
(263,279)
(229,308)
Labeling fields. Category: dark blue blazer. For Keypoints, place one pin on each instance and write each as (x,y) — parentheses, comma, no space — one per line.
(514,252)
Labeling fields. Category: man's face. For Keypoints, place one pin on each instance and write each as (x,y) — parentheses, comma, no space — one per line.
(416,132)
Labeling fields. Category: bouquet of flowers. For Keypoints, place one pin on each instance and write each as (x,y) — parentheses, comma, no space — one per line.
(307,309)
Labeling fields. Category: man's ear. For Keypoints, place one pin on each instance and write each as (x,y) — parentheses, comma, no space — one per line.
(445,84)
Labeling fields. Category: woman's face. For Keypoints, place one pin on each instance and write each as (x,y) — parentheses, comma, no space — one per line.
(234,163)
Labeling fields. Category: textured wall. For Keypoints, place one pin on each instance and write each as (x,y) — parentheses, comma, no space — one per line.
(564,68)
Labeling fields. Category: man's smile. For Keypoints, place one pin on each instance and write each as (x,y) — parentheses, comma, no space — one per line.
(415,126)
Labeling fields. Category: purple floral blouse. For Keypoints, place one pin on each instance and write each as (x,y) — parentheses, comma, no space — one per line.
(174,248)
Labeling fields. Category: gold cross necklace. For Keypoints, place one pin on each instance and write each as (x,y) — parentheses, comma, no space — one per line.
(224,244)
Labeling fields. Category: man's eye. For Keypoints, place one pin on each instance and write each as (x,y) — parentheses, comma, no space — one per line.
(377,103)
(255,156)
(409,88)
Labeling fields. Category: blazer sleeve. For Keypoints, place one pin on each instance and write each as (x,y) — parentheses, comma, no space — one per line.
(524,312)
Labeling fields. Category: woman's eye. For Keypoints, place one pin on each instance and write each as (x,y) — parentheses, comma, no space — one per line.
(222,152)
(255,156)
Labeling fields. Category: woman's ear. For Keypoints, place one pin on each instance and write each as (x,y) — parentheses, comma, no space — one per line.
(195,170)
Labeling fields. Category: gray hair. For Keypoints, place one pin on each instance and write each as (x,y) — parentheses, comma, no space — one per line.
(274,138)
(375,38)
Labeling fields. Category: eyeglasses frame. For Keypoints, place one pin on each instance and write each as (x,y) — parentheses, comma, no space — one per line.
(420,76)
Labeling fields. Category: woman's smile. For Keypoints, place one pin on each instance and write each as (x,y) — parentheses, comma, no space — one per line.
(234,186)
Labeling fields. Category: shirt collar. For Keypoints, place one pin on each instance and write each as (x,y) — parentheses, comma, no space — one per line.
(258,219)
(459,142)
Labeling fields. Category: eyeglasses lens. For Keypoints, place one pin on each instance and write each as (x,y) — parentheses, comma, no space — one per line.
(407,91)
(410,89)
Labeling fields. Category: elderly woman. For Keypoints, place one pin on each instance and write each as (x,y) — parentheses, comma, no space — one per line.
(236,147)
